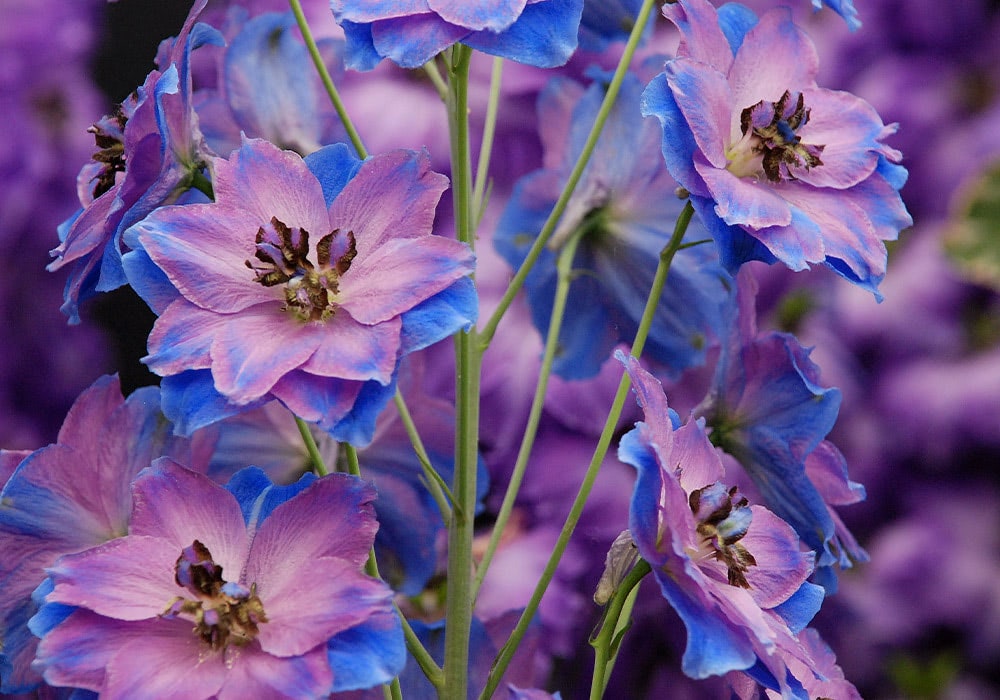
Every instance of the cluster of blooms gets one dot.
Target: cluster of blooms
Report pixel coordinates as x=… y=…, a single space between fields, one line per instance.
x=321 y=498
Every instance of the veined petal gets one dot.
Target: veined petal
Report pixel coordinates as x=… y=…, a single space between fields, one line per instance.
x=181 y=339
x=744 y=201
x=782 y=567
x=371 y=10
x=545 y=35
x=413 y=40
x=313 y=398
x=703 y=97
x=702 y=38
x=356 y=351
x=478 y=14
x=256 y=674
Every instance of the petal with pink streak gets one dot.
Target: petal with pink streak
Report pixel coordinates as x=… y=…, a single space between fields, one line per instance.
x=356 y=351
x=703 y=96
x=394 y=195
x=203 y=249
x=264 y=181
x=702 y=38
x=479 y=14
x=700 y=464
x=181 y=506
x=256 y=347
x=182 y=338
x=256 y=674
x=744 y=201
x=775 y=56
x=782 y=565
x=412 y=41
x=313 y=398
x=130 y=578
x=372 y=10
x=308 y=604
x=341 y=504
x=400 y=274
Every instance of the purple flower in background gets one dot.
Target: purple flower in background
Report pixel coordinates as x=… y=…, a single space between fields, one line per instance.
x=540 y=33
x=149 y=151
x=735 y=573
x=305 y=282
x=73 y=495
x=777 y=168
x=227 y=594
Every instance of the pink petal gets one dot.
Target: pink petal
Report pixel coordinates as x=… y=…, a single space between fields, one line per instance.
x=702 y=39
x=256 y=674
x=782 y=566
x=703 y=96
x=181 y=338
x=847 y=127
x=356 y=351
x=479 y=14
x=313 y=398
x=744 y=202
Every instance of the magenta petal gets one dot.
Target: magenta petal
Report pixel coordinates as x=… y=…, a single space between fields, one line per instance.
x=100 y=399
x=744 y=202
x=252 y=351
x=699 y=460
x=202 y=248
x=308 y=606
x=341 y=504
x=181 y=506
x=701 y=36
x=400 y=274
x=131 y=578
x=257 y=674
x=782 y=567
x=394 y=195
x=775 y=56
x=703 y=96
x=313 y=398
x=356 y=351
x=181 y=338
x=283 y=187
x=847 y=127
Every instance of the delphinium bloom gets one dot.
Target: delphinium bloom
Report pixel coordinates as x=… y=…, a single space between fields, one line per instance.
x=735 y=573
x=254 y=591
x=540 y=33
x=778 y=168
x=768 y=409
x=149 y=152
x=305 y=282
x=70 y=496
x=625 y=209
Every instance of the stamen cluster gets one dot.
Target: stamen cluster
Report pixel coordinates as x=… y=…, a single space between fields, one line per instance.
x=773 y=128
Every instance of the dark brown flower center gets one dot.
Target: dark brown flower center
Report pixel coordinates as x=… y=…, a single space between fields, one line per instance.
x=109 y=135
x=773 y=130
x=723 y=520
x=282 y=257
x=224 y=612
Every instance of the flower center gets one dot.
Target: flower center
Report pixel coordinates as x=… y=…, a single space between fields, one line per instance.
x=109 y=135
x=722 y=523
x=282 y=258
x=224 y=612
x=771 y=142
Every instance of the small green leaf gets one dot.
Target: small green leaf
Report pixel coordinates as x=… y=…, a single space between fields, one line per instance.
x=973 y=237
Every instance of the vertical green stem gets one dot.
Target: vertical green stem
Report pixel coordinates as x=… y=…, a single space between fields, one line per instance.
x=310 y=442
x=603 y=443
x=458 y=611
x=486 y=148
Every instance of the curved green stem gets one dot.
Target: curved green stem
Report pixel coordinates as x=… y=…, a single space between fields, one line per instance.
x=486 y=334
x=324 y=75
x=564 y=267
x=434 y=75
x=310 y=442
x=613 y=628
x=603 y=443
x=435 y=484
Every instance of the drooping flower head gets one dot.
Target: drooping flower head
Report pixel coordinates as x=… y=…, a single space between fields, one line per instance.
x=148 y=152
x=735 y=573
x=536 y=32
x=778 y=168
x=254 y=591
x=305 y=282
x=624 y=209
x=70 y=496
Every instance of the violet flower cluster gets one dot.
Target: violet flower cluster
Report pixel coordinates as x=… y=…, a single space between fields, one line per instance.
x=409 y=262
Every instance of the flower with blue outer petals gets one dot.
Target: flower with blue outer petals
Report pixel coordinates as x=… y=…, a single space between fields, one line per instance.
x=735 y=573
x=150 y=150
x=778 y=168
x=254 y=591
x=304 y=282
x=539 y=33
x=625 y=206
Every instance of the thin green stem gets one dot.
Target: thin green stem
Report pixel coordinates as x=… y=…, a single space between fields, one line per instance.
x=431 y=69
x=324 y=75
x=486 y=334
x=613 y=628
x=564 y=266
x=458 y=607
x=603 y=443
x=435 y=484
x=424 y=660
x=486 y=148
x=310 y=442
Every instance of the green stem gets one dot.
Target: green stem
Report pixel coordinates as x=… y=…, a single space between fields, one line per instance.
x=307 y=437
x=613 y=629
x=486 y=148
x=564 y=267
x=486 y=335
x=435 y=484
x=431 y=69
x=603 y=443
x=458 y=610
x=324 y=75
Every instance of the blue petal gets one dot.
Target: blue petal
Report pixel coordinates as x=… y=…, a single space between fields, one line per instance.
x=358 y=426
x=450 y=311
x=801 y=607
x=736 y=20
x=545 y=35
x=191 y=401
x=258 y=497
x=360 y=54
x=369 y=654
x=334 y=166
